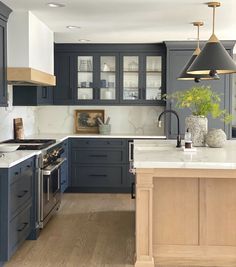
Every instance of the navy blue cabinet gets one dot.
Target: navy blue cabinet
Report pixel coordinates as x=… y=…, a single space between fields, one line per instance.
x=178 y=54
x=114 y=74
x=32 y=95
x=64 y=167
x=4 y=14
x=98 y=165
x=16 y=209
x=65 y=71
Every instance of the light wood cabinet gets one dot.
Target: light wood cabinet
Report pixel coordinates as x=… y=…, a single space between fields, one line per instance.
x=185 y=216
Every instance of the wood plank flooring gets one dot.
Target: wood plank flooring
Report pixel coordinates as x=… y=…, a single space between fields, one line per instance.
x=90 y=230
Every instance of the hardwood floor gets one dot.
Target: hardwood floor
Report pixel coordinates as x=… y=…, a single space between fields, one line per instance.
x=90 y=230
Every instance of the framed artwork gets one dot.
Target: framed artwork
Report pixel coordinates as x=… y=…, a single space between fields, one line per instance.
x=86 y=120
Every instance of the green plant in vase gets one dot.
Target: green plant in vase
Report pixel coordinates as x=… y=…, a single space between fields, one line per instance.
x=202 y=101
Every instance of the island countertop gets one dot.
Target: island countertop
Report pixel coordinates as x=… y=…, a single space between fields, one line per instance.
x=185 y=204
x=164 y=154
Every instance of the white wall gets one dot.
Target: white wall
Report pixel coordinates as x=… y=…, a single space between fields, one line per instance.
x=140 y=120
x=9 y=113
x=30 y=42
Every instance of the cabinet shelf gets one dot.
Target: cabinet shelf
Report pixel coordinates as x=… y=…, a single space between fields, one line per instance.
x=131 y=71
x=85 y=71
x=113 y=72
x=154 y=71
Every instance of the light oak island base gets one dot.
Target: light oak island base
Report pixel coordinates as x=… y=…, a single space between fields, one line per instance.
x=185 y=217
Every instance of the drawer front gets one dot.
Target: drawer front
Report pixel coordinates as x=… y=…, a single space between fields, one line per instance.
x=20 y=192
x=17 y=170
x=97 y=142
x=97 y=176
x=98 y=156
x=20 y=228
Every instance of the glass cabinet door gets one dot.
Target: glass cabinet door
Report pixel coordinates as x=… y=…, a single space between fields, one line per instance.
x=130 y=73
x=85 y=78
x=107 y=85
x=153 y=77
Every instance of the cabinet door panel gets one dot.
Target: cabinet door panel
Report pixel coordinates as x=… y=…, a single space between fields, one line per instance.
x=131 y=78
x=64 y=90
x=3 y=64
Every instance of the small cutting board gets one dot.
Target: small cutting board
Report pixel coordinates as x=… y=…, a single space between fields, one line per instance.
x=18 y=128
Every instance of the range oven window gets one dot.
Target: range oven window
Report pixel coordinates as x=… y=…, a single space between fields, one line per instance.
x=55 y=177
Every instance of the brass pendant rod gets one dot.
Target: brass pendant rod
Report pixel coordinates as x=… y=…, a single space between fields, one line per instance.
x=214 y=15
x=198 y=24
x=198 y=29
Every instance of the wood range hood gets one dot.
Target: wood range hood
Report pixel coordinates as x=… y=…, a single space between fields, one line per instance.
x=29 y=77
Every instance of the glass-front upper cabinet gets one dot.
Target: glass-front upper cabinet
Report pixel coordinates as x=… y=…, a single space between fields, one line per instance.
x=153 y=78
x=130 y=78
x=85 y=79
x=108 y=78
x=141 y=78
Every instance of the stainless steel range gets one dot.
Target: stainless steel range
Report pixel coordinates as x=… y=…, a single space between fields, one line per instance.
x=48 y=184
x=49 y=198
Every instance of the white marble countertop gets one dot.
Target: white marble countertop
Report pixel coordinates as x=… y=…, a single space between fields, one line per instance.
x=112 y=135
x=10 y=159
x=164 y=154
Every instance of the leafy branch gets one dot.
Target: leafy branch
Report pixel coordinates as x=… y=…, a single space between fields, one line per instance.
x=202 y=101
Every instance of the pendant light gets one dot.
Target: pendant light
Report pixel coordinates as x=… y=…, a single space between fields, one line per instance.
x=214 y=59
x=195 y=77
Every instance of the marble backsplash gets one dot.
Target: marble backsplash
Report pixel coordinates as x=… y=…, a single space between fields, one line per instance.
x=124 y=119
x=60 y=119
x=9 y=113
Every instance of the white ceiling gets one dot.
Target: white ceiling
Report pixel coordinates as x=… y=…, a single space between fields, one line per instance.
x=138 y=21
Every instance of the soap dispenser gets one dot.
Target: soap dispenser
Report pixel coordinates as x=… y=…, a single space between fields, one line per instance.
x=188 y=139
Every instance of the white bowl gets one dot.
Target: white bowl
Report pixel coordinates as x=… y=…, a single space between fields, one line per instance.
x=8 y=147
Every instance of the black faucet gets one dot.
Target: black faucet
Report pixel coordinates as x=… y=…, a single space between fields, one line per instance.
x=177 y=116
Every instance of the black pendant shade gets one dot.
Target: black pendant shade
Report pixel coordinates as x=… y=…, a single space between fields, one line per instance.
x=213 y=59
x=197 y=78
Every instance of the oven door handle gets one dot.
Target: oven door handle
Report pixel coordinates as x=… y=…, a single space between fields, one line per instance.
x=54 y=167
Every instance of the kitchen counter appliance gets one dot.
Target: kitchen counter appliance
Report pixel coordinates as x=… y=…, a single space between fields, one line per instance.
x=49 y=193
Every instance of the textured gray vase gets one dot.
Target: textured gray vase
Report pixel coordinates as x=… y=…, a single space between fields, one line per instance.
x=216 y=138
x=198 y=126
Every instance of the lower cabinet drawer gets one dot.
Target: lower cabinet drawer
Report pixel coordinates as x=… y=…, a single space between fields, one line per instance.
x=20 y=192
x=97 y=142
x=20 y=228
x=97 y=176
x=98 y=156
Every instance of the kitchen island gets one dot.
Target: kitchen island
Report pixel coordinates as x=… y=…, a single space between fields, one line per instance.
x=185 y=205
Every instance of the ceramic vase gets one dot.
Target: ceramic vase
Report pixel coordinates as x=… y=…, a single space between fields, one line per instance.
x=198 y=126
x=216 y=138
